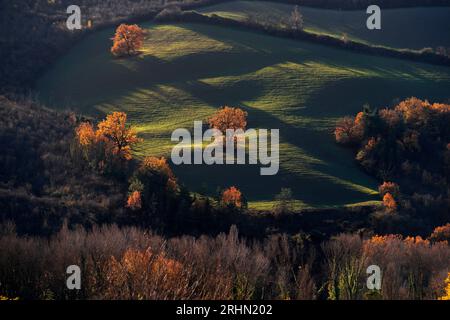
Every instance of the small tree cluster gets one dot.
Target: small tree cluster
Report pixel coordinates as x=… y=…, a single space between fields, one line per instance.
x=350 y=131
x=153 y=189
x=113 y=141
x=407 y=144
x=412 y=268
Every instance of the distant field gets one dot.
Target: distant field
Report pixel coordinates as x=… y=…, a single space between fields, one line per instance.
x=413 y=28
x=189 y=70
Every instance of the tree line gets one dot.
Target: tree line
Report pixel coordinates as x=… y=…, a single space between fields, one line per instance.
x=129 y=263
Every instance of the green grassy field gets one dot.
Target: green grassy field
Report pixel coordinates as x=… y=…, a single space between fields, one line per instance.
x=413 y=28
x=187 y=71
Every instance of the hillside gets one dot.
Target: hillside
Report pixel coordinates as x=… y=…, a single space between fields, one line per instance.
x=41 y=183
x=413 y=28
x=187 y=71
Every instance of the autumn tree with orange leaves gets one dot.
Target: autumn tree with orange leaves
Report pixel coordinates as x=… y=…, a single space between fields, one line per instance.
x=127 y=40
x=350 y=131
x=123 y=137
x=389 y=202
x=389 y=187
x=134 y=200
x=153 y=186
x=85 y=133
x=228 y=118
x=390 y=192
x=159 y=169
x=232 y=197
x=142 y=274
x=105 y=148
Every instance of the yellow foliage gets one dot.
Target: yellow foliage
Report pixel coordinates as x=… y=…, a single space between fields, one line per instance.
x=85 y=134
x=446 y=295
x=115 y=129
x=5 y=298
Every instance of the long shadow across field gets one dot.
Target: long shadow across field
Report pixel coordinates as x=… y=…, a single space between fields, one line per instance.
x=91 y=78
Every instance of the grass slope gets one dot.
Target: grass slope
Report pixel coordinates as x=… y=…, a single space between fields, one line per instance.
x=413 y=28
x=189 y=70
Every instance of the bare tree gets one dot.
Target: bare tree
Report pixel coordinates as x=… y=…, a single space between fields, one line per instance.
x=296 y=20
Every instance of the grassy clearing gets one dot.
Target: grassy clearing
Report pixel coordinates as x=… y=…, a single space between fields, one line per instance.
x=189 y=70
x=413 y=28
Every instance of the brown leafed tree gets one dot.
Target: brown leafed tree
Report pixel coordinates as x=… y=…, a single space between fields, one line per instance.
x=127 y=40
x=228 y=118
x=350 y=131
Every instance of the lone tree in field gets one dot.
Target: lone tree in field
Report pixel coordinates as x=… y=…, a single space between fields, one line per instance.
x=296 y=19
x=127 y=40
x=228 y=118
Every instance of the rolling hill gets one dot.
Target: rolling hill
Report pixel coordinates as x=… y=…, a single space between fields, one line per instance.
x=412 y=28
x=186 y=71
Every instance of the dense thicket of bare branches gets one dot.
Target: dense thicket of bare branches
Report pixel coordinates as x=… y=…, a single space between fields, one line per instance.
x=130 y=263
